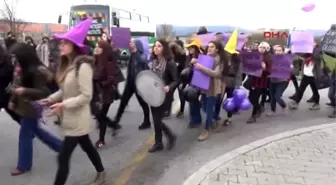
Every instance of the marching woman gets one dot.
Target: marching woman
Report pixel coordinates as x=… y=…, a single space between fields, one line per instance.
x=259 y=83
x=215 y=50
x=165 y=67
x=105 y=87
x=31 y=78
x=180 y=59
x=72 y=101
x=232 y=80
x=311 y=74
x=277 y=87
x=194 y=50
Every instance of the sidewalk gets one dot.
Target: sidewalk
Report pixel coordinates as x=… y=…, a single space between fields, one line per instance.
x=305 y=156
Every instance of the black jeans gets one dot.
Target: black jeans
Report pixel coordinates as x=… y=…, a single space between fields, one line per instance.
x=103 y=121
x=305 y=81
x=69 y=145
x=159 y=125
x=295 y=83
x=129 y=90
x=276 y=91
x=254 y=96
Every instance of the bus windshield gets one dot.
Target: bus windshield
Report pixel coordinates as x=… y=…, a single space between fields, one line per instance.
x=101 y=19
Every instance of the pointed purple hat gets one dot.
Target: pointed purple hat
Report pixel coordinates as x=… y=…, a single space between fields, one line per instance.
x=77 y=34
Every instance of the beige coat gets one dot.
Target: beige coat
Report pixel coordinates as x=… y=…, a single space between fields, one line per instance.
x=76 y=93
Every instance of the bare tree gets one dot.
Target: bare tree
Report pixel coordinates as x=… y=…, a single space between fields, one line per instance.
x=165 y=31
x=9 y=17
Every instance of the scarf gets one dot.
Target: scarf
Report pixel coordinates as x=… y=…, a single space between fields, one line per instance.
x=159 y=66
x=308 y=60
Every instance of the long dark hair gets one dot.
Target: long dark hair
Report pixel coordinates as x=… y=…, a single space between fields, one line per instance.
x=193 y=55
x=166 y=52
x=223 y=57
x=28 y=60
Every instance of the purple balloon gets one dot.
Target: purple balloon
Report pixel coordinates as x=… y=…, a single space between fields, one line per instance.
x=245 y=104
x=239 y=95
x=229 y=104
x=308 y=7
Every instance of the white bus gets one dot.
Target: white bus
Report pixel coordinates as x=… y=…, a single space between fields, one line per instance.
x=106 y=16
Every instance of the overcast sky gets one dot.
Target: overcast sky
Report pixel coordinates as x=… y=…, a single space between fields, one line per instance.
x=243 y=13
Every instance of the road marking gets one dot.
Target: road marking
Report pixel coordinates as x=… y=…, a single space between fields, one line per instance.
x=139 y=157
x=141 y=154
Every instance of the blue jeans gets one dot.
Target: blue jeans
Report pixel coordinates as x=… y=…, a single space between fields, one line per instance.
x=209 y=103
x=195 y=113
x=332 y=90
x=276 y=91
x=28 y=128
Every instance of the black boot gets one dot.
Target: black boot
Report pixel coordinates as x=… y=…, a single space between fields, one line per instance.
x=144 y=125
x=171 y=141
x=158 y=146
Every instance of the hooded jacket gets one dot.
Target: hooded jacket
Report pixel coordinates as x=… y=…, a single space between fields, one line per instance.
x=138 y=61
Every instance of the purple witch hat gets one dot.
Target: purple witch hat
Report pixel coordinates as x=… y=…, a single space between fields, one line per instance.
x=77 y=34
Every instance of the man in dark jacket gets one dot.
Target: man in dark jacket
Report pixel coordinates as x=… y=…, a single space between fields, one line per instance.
x=6 y=77
x=10 y=40
x=137 y=63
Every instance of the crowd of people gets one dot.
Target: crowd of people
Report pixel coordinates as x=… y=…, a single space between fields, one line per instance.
x=76 y=84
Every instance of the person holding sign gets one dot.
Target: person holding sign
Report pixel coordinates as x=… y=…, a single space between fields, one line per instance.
x=215 y=50
x=279 y=82
x=258 y=83
x=311 y=72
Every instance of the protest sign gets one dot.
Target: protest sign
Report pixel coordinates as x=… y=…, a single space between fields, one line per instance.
x=199 y=79
x=328 y=43
x=240 y=43
x=206 y=38
x=302 y=42
x=121 y=37
x=252 y=63
x=281 y=66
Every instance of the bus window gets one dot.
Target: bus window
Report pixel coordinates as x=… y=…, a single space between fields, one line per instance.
x=124 y=14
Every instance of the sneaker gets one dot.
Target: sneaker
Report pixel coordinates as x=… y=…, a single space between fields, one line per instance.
x=179 y=115
x=144 y=125
x=203 y=136
x=315 y=106
x=333 y=114
x=156 y=147
x=270 y=114
x=293 y=105
x=331 y=104
x=227 y=122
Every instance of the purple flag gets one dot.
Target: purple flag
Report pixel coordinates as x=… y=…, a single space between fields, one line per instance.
x=252 y=63
x=302 y=42
x=281 y=66
x=199 y=79
x=240 y=43
x=206 y=38
x=121 y=37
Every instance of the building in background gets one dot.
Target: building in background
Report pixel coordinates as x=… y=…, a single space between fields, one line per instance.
x=35 y=30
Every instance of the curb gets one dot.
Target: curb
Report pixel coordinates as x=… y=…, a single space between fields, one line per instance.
x=197 y=177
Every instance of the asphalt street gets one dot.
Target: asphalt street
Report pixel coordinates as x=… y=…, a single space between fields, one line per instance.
x=125 y=157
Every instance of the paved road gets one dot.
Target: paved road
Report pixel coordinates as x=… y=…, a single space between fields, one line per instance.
x=124 y=156
x=306 y=159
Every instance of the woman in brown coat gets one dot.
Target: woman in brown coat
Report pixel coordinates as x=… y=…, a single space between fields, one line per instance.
x=105 y=86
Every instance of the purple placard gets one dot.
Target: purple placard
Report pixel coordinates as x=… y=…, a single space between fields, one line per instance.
x=302 y=42
x=206 y=38
x=121 y=37
x=240 y=43
x=199 y=79
x=281 y=66
x=252 y=63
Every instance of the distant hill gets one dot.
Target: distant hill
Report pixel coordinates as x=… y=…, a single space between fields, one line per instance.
x=188 y=30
